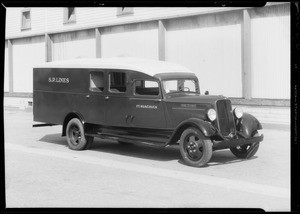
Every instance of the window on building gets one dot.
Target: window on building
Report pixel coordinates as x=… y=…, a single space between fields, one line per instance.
x=69 y=15
x=145 y=87
x=117 y=82
x=124 y=11
x=26 y=19
x=97 y=81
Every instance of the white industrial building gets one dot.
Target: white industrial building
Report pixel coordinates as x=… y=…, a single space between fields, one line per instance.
x=242 y=53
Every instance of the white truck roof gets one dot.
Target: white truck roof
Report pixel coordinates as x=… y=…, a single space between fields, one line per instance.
x=147 y=66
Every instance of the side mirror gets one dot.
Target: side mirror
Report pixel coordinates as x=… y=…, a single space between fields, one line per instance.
x=206 y=93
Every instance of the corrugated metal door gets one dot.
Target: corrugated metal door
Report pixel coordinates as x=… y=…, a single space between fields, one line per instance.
x=6 y=74
x=270 y=43
x=79 y=44
x=210 y=46
x=137 y=40
x=27 y=53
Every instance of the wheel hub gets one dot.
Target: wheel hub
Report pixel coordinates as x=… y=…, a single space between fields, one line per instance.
x=76 y=135
x=192 y=147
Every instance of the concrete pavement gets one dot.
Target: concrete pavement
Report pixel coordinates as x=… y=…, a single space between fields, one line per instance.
x=42 y=172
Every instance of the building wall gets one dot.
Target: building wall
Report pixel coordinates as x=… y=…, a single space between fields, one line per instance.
x=135 y=40
x=13 y=21
x=6 y=73
x=51 y=19
x=27 y=53
x=210 y=46
x=78 y=44
x=270 y=34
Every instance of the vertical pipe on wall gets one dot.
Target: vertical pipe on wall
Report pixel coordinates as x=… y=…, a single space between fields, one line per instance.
x=48 y=48
x=246 y=55
x=161 y=41
x=10 y=66
x=98 y=42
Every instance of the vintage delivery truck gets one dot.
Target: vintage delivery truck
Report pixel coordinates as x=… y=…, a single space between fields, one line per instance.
x=136 y=100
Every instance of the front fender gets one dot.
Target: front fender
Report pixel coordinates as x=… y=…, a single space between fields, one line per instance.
x=206 y=129
x=247 y=125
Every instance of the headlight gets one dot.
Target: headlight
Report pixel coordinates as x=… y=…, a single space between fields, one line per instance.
x=260 y=132
x=238 y=112
x=212 y=115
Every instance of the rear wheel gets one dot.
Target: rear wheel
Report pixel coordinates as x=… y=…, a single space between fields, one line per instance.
x=75 y=136
x=246 y=151
x=194 y=150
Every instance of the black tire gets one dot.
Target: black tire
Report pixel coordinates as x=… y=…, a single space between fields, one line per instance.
x=75 y=136
x=194 y=150
x=246 y=151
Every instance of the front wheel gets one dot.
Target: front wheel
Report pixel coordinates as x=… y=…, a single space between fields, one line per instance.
x=246 y=151
x=75 y=136
x=194 y=150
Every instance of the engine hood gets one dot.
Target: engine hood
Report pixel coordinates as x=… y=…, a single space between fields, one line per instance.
x=182 y=106
x=194 y=98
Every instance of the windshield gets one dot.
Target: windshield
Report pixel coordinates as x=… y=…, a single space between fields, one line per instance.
x=180 y=85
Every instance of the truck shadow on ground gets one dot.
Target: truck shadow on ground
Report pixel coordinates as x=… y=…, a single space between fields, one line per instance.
x=222 y=157
x=144 y=151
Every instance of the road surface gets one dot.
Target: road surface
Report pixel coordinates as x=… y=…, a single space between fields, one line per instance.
x=40 y=171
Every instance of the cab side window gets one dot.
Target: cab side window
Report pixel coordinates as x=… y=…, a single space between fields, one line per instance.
x=146 y=87
x=117 y=82
x=96 y=81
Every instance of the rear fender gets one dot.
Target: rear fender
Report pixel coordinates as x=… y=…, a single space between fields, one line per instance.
x=69 y=117
x=247 y=125
x=206 y=129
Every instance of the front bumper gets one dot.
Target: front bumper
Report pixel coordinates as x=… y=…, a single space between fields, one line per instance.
x=225 y=144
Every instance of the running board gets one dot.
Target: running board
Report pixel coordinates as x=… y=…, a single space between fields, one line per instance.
x=136 y=140
x=43 y=124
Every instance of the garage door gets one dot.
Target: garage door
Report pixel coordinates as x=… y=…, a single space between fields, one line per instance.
x=210 y=46
x=27 y=53
x=270 y=45
x=136 y=40
x=79 y=44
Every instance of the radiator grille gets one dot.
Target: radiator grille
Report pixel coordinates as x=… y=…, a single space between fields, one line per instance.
x=225 y=117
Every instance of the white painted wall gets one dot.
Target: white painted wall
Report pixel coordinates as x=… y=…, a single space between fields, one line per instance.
x=6 y=77
x=51 y=19
x=73 y=45
x=138 y=40
x=27 y=53
x=271 y=54
x=210 y=46
x=13 y=21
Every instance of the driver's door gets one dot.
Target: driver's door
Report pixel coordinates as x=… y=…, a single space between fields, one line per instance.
x=147 y=110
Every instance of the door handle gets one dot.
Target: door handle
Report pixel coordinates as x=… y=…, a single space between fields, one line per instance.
x=131 y=118
x=157 y=100
x=87 y=96
x=106 y=98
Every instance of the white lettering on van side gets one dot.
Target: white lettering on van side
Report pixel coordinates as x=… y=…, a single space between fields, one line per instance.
x=58 y=79
x=146 y=106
